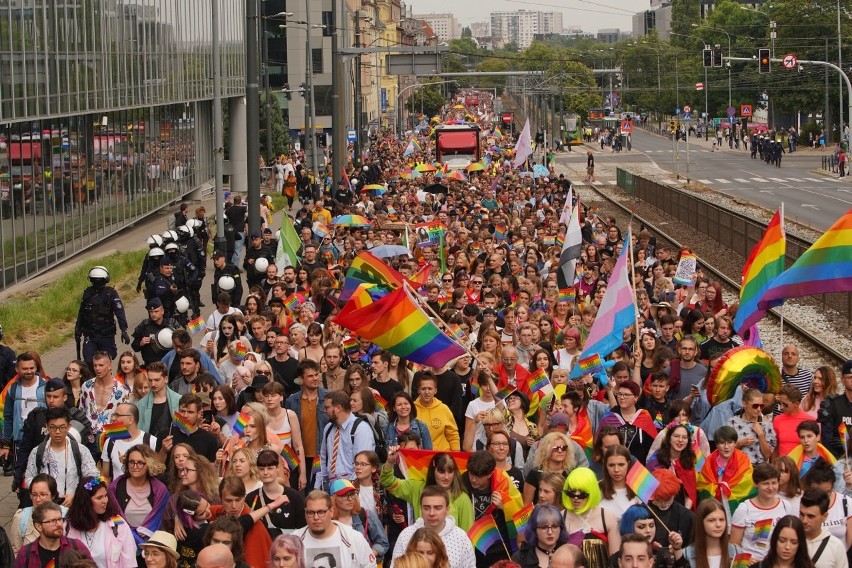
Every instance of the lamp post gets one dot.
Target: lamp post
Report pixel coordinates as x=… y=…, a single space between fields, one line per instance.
x=402 y=92
x=264 y=54
x=252 y=117
x=219 y=242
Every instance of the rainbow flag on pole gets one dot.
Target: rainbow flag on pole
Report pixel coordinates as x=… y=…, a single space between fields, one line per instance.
x=241 y=423
x=240 y=351
x=741 y=560
x=640 y=480
x=397 y=324
x=500 y=232
x=366 y=268
x=351 y=346
x=290 y=456
x=591 y=364
x=182 y=422
x=504 y=392
x=567 y=295
x=539 y=382
x=764 y=264
x=293 y=301
x=195 y=325
x=521 y=519
x=484 y=534
x=843 y=430
x=822 y=269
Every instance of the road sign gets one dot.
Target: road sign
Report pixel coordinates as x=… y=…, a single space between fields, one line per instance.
x=731 y=111
x=789 y=61
x=686 y=117
x=508 y=118
x=699 y=86
x=351 y=136
x=732 y=119
x=677 y=111
x=745 y=110
x=687 y=108
x=627 y=126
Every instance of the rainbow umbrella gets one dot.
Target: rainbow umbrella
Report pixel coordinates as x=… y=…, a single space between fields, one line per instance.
x=409 y=175
x=424 y=168
x=351 y=221
x=457 y=175
x=475 y=167
x=374 y=189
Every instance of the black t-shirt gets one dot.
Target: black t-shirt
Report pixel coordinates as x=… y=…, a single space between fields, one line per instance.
x=189 y=547
x=285 y=373
x=204 y=443
x=289 y=517
x=46 y=556
x=161 y=420
x=387 y=389
x=236 y=215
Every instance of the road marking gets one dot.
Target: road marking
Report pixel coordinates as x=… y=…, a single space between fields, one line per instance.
x=759 y=180
x=578 y=183
x=723 y=181
x=815 y=180
x=741 y=180
x=797 y=180
x=778 y=180
x=808 y=205
x=597 y=183
x=612 y=182
x=705 y=181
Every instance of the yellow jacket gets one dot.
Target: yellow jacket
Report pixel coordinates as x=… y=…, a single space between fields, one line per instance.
x=442 y=425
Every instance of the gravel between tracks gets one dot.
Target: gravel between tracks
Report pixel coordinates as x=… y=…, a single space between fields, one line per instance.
x=827 y=325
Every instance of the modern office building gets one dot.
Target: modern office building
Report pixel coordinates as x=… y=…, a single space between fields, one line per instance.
x=105 y=116
x=445 y=26
x=521 y=26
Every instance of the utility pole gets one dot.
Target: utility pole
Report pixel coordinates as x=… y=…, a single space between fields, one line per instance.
x=264 y=54
x=840 y=79
x=339 y=145
x=218 y=143
x=358 y=95
x=252 y=117
x=310 y=127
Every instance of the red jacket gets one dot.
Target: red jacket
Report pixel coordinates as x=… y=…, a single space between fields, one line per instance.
x=256 y=542
x=521 y=378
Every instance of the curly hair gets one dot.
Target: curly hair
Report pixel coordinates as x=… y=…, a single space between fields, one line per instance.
x=81 y=515
x=545 y=448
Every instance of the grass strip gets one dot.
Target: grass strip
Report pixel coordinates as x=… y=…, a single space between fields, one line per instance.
x=44 y=319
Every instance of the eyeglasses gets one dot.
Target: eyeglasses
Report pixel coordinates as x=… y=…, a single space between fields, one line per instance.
x=623 y=394
x=184 y=470
x=362 y=464
x=151 y=552
x=476 y=281
x=549 y=528
x=576 y=494
x=55 y=521
x=446 y=279
x=491 y=424
x=136 y=464
x=320 y=513
x=558 y=448
x=62 y=428
x=350 y=495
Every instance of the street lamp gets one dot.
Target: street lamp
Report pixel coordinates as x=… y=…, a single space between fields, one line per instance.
x=402 y=92
x=264 y=48
x=729 y=55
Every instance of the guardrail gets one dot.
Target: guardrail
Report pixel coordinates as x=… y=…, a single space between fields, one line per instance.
x=731 y=230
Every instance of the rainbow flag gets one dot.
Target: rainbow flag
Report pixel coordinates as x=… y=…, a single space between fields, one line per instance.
x=321 y=230
x=422 y=276
x=591 y=364
x=741 y=560
x=290 y=456
x=539 y=382
x=367 y=268
x=195 y=325
x=351 y=346
x=559 y=241
x=521 y=519
x=455 y=330
x=381 y=403
x=293 y=301
x=240 y=351
x=700 y=458
x=397 y=324
x=116 y=431
x=518 y=244
x=617 y=311
x=415 y=463
x=764 y=265
x=50 y=563
x=843 y=431
x=504 y=392
x=822 y=269
x=316 y=467
x=500 y=232
x=762 y=532
x=498 y=132
x=182 y=422
x=549 y=241
x=484 y=534
x=640 y=480
x=362 y=297
x=567 y=295
x=240 y=423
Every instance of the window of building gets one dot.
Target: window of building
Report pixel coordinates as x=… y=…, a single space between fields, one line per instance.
x=316 y=60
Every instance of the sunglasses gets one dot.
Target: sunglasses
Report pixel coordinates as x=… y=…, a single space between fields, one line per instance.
x=576 y=494
x=757 y=406
x=559 y=448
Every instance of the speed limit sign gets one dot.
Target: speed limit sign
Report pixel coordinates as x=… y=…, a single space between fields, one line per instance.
x=789 y=61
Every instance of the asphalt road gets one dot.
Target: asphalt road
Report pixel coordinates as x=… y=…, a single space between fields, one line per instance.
x=811 y=196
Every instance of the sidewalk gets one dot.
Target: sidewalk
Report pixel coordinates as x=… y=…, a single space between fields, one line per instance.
x=55 y=361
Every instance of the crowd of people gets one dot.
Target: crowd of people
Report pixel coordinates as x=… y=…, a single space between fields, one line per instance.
x=285 y=449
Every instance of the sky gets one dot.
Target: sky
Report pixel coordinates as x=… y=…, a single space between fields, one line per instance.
x=589 y=15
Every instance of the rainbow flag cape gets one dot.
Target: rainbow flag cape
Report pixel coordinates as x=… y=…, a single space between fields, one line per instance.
x=764 y=264
x=397 y=324
x=415 y=463
x=351 y=346
x=293 y=301
x=538 y=381
x=290 y=456
x=741 y=560
x=797 y=454
x=240 y=423
x=182 y=423
x=762 y=531
x=484 y=534
x=366 y=268
x=240 y=351
x=195 y=325
x=734 y=485
x=567 y=295
x=640 y=480
x=822 y=269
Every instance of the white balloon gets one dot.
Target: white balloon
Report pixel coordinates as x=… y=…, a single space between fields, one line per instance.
x=261 y=264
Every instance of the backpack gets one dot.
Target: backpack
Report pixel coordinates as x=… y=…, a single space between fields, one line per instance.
x=75 y=452
x=146 y=440
x=378 y=439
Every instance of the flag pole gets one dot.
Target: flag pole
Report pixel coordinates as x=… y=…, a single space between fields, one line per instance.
x=629 y=243
x=412 y=292
x=781 y=309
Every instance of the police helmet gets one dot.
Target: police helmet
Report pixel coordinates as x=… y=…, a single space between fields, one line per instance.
x=170 y=247
x=182 y=304
x=226 y=283
x=156 y=252
x=195 y=223
x=99 y=273
x=184 y=231
x=155 y=241
x=261 y=264
x=170 y=236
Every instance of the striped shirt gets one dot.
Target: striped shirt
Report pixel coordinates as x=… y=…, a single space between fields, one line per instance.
x=802 y=380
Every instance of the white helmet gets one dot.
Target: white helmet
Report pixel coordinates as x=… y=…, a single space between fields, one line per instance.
x=195 y=223
x=170 y=247
x=155 y=241
x=164 y=338
x=185 y=230
x=182 y=304
x=170 y=236
x=261 y=264
x=99 y=273
x=226 y=283
x=156 y=252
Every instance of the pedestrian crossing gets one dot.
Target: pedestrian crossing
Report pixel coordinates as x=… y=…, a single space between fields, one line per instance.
x=771 y=180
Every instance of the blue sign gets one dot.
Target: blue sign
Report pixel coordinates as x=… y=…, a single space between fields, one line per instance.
x=687 y=117
x=677 y=110
x=384 y=99
x=352 y=136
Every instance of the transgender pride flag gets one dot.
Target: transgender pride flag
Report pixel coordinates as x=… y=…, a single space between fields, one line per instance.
x=617 y=311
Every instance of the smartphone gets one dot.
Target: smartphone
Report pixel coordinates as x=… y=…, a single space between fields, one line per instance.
x=207 y=416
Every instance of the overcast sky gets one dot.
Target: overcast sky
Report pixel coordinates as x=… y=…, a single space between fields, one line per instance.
x=590 y=15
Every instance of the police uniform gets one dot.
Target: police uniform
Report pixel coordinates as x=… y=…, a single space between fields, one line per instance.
x=100 y=307
x=147 y=328
x=234 y=272
x=253 y=277
x=190 y=248
x=165 y=289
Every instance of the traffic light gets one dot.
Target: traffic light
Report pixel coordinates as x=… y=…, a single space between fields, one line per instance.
x=708 y=58
x=672 y=126
x=763 y=60
x=717 y=56
x=287 y=92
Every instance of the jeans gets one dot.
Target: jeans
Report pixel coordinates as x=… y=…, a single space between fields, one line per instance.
x=239 y=245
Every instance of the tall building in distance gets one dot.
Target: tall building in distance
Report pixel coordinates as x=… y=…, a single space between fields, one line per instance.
x=522 y=26
x=445 y=26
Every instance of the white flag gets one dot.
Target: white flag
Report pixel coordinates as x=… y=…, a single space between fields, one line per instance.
x=523 y=149
x=571 y=249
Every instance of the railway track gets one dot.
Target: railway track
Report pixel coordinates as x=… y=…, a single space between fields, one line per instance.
x=806 y=340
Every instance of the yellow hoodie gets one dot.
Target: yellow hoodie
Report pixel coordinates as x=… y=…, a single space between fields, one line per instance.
x=442 y=426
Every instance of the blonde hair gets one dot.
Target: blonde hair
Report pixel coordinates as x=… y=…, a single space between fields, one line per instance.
x=545 y=447
x=412 y=560
x=252 y=462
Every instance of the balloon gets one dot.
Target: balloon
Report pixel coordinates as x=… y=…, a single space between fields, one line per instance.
x=742 y=365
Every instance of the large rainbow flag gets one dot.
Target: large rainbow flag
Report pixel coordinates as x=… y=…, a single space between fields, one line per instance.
x=764 y=264
x=824 y=268
x=366 y=268
x=733 y=486
x=415 y=463
x=397 y=324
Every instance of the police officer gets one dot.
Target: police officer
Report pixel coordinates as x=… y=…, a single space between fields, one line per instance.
x=255 y=251
x=185 y=274
x=223 y=268
x=190 y=247
x=145 y=335
x=164 y=287
x=151 y=261
x=99 y=309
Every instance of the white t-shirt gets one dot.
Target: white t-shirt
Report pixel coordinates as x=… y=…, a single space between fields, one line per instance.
x=474 y=407
x=837 y=516
x=114 y=452
x=749 y=513
x=29 y=400
x=333 y=552
x=833 y=554
x=619 y=503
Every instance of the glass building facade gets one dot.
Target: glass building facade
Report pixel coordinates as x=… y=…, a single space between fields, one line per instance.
x=105 y=117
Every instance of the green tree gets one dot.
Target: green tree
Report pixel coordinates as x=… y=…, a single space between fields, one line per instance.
x=280 y=136
x=466 y=32
x=427 y=100
x=684 y=14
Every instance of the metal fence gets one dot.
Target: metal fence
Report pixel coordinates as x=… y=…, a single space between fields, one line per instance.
x=731 y=230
